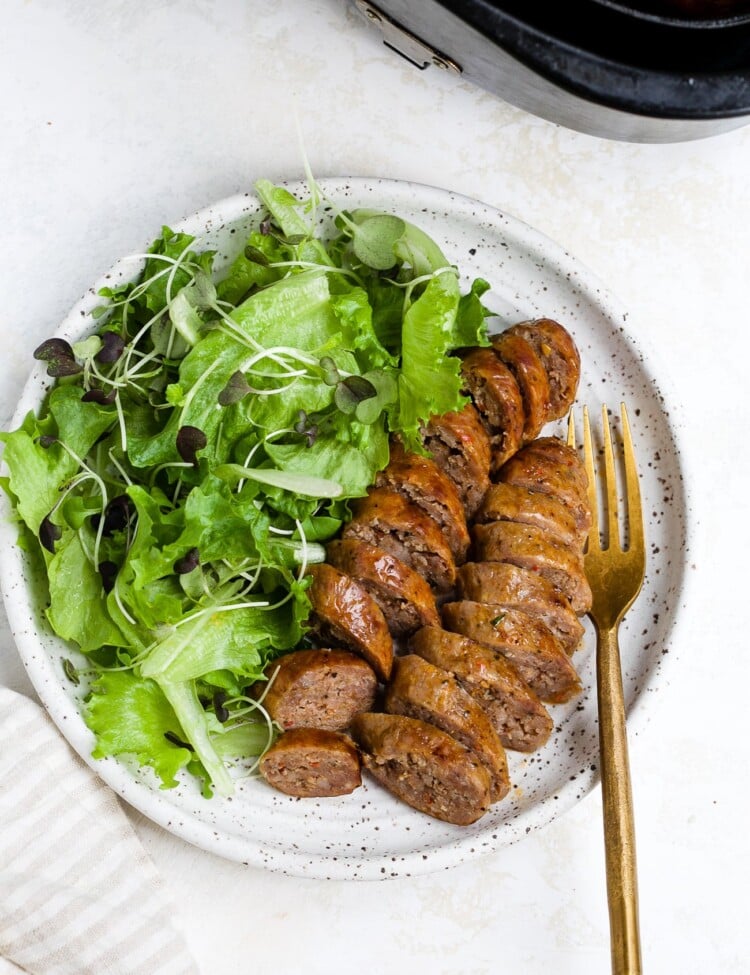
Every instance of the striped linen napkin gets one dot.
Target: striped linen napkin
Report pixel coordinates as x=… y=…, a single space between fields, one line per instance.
x=78 y=893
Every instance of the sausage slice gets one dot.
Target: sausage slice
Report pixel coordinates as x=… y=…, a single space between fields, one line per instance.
x=386 y=519
x=509 y=585
x=511 y=502
x=403 y=595
x=343 y=612
x=309 y=762
x=424 y=766
x=521 y=720
x=317 y=689
x=421 y=690
x=460 y=446
x=534 y=549
x=421 y=481
x=548 y=465
x=555 y=347
x=497 y=398
x=526 y=644
x=529 y=372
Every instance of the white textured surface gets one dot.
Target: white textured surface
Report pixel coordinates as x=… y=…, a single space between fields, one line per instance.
x=117 y=117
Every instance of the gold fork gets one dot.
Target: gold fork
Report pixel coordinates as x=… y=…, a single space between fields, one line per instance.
x=615 y=574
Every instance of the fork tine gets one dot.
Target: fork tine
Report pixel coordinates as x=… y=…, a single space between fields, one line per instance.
x=588 y=459
x=633 y=489
x=571 y=430
x=610 y=484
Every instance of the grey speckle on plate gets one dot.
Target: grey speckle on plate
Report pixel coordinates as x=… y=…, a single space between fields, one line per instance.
x=370 y=835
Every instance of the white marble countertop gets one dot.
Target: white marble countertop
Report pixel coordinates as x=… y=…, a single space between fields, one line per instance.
x=118 y=117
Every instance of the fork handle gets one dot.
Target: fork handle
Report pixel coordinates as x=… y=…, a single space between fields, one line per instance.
x=619 y=831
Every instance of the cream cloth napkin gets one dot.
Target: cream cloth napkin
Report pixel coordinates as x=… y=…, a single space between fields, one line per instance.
x=78 y=893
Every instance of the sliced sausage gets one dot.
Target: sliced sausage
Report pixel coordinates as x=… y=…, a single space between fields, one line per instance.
x=526 y=644
x=421 y=690
x=555 y=347
x=309 y=762
x=420 y=481
x=460 y=446
x=509 y=585
x=497 y=398
x=345 y=613
x=403 y=595
x=424 y=766
x=519 y=717
x=386 y=519
x=548 y=465
x=533 y=549
x=510 y=502
x=529 y=372
x=317 y=689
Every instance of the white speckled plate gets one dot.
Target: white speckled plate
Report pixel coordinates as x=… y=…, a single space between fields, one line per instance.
x=370 y=835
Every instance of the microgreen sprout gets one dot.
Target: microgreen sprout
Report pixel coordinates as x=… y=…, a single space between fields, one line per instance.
x=70 y=671
x=189 y=561
x=176 y=740
x=227 y=416
x=59 y=357
x=189 y=441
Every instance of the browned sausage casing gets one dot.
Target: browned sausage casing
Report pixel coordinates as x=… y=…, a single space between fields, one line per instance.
x=317 y=689
x=403 y=595
x=519 y=717
x=424 y=766
x=534 y=549
x=528 y=371
x=526 y=644
x=548 y=465
x=420 y=481
x=347 y=614
x=498 y=400
x=421 y=690
x=510 y=502
x=555 y=347
x=310 y=762
x=459 y=444
x=509 y=585
x=386 y=519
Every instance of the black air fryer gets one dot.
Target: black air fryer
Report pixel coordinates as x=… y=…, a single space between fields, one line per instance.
x=644 y=71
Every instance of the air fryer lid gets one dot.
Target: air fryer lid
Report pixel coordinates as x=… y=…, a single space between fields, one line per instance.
x=658 y=68
x=685 y=13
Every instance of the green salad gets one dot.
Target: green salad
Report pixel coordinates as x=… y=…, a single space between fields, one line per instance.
x=199 y=447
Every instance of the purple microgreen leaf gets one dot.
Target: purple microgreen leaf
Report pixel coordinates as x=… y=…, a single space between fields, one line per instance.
x=108 y=572
x=70 y=671
x=175 y=740
x=189 y=561
x=49 y=533
x=117 y=514
x=236 y=389
x=256 y=255
x=112 y=347
x=99 y=396
x=306 y=428
x=189 y=441
x=222 y=714
x=58 y=354
x=352 y=391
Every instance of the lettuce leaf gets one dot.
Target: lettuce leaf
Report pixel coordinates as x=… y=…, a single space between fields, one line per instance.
x=131 y=716
x=176 y=516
